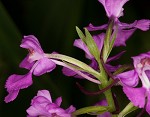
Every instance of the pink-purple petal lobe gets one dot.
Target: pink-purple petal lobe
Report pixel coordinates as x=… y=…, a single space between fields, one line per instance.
x=26 y=64
x=129 y=78
x=136 y=95
x=113 y=8
x=91 y=27
x=117 y=56
x=45 y=93
x=11 y=96
x=39 y=100
x=123 y=36
x=58 y=101
x=80 y=44
x=36 y=111
x=68 y=72
x=98 y=39
x=43 y=66
x=143 y=25
x=70 y=109
x=148 y=103
x=30 y=42
x=15 y=83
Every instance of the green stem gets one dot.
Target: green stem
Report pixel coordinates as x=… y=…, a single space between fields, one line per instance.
x=108 y=93
x=110 y=100
x=129 y=108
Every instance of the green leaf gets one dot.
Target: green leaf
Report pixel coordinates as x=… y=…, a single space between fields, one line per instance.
x=112 y=42
x=90 y=109
x=107 y=40
x=81 y=35
x=92 y=45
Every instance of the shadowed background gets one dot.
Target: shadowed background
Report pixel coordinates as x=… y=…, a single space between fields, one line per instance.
x=53 y=23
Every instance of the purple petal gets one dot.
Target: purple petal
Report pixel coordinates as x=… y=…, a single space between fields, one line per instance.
x=96 y=28
x=37 y=110
x=129 y=78
x=123 y=25
x=15 y=83
x=46 y=94
x=147 y=72
x=123 y=36
x=31 y=42
x=59 y=112
x=111 y=68
x=58 y=101
x=11 y=96
x=115 y=57
x=70 y=109
x=135 y=95
x=40 y=100
x=43 y=65
x=113 y=8
x=143 y=25
x=94 y=64
x=148 y=103
x=99 y=40
x=80 y=44
x=40 y=104
x=137 y=59
x=26 y=64
x=102 y=103
x=68 y=72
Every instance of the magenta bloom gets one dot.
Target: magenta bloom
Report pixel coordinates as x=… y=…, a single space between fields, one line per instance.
x=139 y=96
x=35 y=62
x=42 y=106
x=99 y=40
x=113 y=8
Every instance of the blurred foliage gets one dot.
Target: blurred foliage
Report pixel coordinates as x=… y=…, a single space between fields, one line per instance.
x=53 y=23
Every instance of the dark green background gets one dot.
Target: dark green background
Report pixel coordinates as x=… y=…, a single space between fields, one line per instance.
x=53 y=23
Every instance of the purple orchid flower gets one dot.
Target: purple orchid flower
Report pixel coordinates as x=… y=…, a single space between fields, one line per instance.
x=99 y=40
x=42 y=106
x=139 y=96
x=35 y=62
x=114 y=10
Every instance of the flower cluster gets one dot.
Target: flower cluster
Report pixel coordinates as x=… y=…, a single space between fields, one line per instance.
x=42 y=105
x=100 y=71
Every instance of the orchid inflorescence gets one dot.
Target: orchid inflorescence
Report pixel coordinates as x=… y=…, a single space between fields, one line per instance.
x=97 y=49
